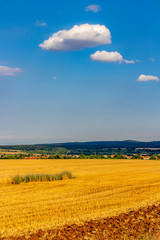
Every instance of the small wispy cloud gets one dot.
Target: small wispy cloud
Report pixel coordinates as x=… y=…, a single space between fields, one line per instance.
x=137 y=60
x=41 y=23
x=151 y=59
x=109 y=57
x=128 y=61
x=93 y=8
x=146 y=78
x=54 y=78
x=8 y=71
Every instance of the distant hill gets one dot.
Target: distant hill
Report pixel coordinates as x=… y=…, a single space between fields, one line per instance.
x=96 y=147
x=108 y=144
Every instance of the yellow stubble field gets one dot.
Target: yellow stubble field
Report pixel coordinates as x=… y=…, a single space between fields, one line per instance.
x=101 y=188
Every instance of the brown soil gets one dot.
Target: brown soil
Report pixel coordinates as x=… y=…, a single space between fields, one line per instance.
x=141 y=224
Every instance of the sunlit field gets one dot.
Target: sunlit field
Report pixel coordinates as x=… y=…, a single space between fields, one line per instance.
x=10 y=152
x=100 y=188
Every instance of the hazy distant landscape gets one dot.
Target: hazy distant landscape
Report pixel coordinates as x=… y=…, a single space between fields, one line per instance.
x=127 y=147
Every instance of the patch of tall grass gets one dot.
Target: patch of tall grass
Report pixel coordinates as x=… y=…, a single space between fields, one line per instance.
x=41 y=177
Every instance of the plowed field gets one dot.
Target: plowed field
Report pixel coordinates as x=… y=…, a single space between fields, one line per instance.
x=141 y=224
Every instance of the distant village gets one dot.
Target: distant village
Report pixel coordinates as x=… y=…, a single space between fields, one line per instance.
x=81 y=156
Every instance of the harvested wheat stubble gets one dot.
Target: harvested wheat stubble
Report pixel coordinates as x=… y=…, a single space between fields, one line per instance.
x=102 y=188
x=141 y=224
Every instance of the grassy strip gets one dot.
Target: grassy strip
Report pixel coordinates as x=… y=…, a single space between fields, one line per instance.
x=40 y=177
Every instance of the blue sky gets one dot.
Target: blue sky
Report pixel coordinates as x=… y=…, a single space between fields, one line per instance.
x=62 y=93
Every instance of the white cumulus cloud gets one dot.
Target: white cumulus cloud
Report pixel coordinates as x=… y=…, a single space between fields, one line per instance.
x=8 y=71
x=93 y=8
x=78 y=37
x=104 y=56
x=146 y=78
x=40 y=23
